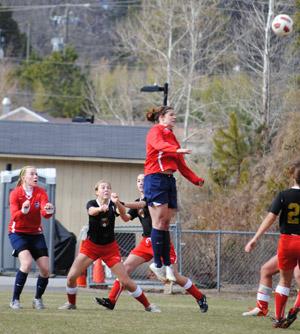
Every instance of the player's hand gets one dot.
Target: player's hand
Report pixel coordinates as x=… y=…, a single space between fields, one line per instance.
x=184 y=151
x=25 y=207
x=49 y=208
x=103 y=208
x=114 y=197
x=201 y=182
x=250 y=245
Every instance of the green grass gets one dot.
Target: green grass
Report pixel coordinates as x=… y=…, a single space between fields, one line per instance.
x=180 y=315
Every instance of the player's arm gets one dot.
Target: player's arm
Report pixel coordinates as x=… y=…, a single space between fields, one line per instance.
x=135 y=205
x=47 y=208
x=121 y=209
x=95 y=210
x=16 y=211
x=265 y=225
x=187 y=172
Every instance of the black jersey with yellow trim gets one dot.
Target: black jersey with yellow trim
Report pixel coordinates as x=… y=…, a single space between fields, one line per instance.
x=144 y=217
x=287 y=203
x=102 y=226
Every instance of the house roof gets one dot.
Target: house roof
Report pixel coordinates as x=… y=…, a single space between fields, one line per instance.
x=23 y=114
x=82 y=140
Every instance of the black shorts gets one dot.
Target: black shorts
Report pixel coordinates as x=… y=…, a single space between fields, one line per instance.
x=34 y=243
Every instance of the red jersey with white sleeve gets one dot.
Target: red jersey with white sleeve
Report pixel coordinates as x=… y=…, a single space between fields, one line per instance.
x=161 y=154
x=31 y=222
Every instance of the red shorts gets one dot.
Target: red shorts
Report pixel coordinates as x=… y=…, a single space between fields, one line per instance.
x=109 y=254
x=288 y=251
x=144 y=250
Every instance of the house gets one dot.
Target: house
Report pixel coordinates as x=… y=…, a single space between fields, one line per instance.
x=82 y=154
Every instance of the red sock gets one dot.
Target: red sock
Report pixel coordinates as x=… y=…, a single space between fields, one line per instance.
x=280 y=302
x=195 y=292
x=297 y=301
x=71 y=298
x=115 y=291
x=261 y=304
x=143 y=300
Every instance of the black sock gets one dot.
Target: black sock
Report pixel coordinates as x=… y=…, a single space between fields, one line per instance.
x=166 y=248
x=41 y=285
x=19 y=284
x=157 y=240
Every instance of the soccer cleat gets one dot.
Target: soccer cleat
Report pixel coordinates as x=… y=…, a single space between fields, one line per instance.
x=203 y=304
x=68 y=306
x=291 y=317
x=153 y=308
x=38 y=304
x=15 y=304
x=159 y=272
x=256 y=312
x=278 y=323
x=170 y=274
x=105 y=302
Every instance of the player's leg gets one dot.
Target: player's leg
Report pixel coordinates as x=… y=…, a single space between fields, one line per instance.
x=281 y=295
x=267 y=271
x=130 y=264
x=160 y=226
x=79 y=265
x=166 y=250
x=188 y=285
x=134 y=290
x=25 y=260
x=42 y=281
x=292 y=314
x=39 y=252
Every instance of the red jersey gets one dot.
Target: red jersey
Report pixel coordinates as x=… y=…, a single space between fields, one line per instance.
x=161 y=147
x=31 y=222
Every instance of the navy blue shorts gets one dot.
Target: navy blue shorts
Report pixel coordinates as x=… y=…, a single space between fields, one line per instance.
x=35 y=243
x=160 y=189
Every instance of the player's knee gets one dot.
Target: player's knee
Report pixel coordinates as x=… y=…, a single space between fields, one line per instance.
x=26 y=265
x=125 y=281
x=128 y=268
x=265 y=271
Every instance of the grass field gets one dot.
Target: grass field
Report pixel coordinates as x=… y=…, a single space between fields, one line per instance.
x=180 y=315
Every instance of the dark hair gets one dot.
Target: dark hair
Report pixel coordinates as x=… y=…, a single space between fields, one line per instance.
x=294 y=171
x=153 y=114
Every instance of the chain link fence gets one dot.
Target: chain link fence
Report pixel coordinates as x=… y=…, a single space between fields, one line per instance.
x=212 y=259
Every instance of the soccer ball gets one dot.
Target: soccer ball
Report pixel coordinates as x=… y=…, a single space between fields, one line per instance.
x=282 y=25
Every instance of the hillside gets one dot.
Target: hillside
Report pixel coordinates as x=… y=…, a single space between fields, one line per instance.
x=244 y=208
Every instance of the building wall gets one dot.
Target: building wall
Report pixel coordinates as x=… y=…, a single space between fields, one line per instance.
x=75 y=184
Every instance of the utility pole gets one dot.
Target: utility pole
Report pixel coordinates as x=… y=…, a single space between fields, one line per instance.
x=266 y=73
x=28 y=40
x=66 y=26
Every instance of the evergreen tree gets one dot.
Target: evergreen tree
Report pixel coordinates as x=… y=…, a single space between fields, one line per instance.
x=57 y=83
x=229 y=154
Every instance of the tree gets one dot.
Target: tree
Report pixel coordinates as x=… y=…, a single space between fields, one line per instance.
x=229 y=154
x=266 y=60
x=57 y=84
x=182 y=40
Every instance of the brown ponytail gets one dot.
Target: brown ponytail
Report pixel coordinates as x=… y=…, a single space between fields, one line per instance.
x=294 y=171
x=153 y=114
x=22 y=173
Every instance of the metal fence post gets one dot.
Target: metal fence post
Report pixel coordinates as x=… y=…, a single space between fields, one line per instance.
x=219 y=261
x=178 y=242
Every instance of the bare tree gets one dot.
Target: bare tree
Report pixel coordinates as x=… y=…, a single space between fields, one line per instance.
x=181 y=40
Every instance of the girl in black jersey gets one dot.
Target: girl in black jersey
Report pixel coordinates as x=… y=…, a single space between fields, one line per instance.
x=101 y=243
x=143 y=252
x=287 y=204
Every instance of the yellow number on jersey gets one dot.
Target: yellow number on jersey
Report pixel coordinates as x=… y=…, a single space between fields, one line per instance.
x=293 y=214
